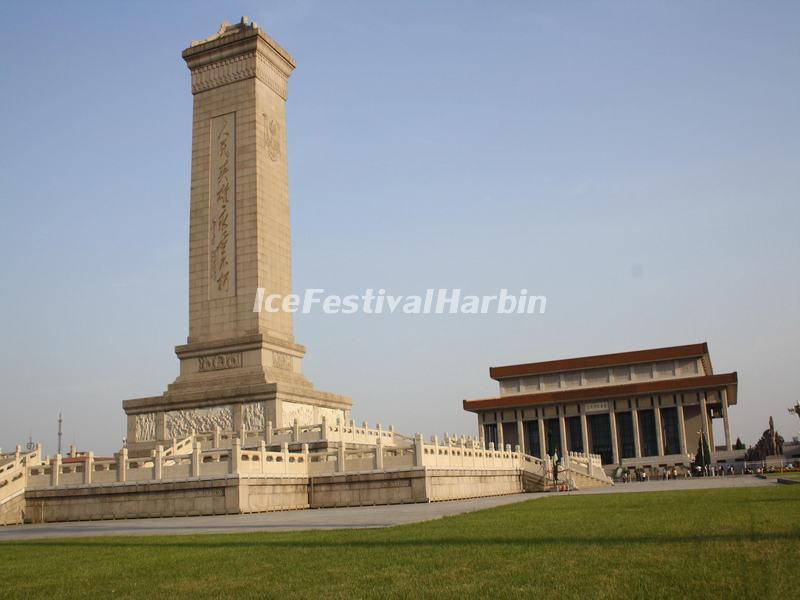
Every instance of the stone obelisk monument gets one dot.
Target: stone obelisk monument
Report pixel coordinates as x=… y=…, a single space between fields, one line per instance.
x=239 y=368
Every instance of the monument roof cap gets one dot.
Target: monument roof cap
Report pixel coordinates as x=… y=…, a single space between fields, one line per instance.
x=229 y=34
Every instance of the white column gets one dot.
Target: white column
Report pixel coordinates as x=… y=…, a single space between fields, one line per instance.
x=501 y=443
x=637 y=443
x=419 y=450
x=122 y=465
x=158 y=462
x=562 y=426
x=704 y=421
x=88 y=468
x=659 y=429
x=542 y=440
x=681 y=426
x=341 y=458
x=521 y=434
x=55 y=471
x=236 y=455
x=378 y=454
x=197 y=457
x=728 y=443
x=585 y=434
x=613 y=421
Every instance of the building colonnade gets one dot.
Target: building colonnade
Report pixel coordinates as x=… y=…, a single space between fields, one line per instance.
x=631 y=433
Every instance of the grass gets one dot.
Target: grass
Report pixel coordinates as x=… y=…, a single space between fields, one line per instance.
x=729 y=543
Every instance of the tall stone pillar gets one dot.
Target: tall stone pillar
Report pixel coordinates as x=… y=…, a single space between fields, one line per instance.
x=614 y=438
x=681 y=423
x=585 y=433
x=724 y=398
x=240 y=358
x=542 y=440
x=501 y=443
x=562 y=429
x=521 y=434
x=704 y=421
x=637 y=442
x=659 y=427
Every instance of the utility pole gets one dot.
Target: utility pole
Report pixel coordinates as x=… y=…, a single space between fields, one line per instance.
x=60 y=420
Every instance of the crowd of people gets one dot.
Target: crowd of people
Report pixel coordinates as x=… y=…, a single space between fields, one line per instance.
x=668 y=473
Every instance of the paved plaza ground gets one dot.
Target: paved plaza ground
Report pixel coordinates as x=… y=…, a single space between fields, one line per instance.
x=337 y=518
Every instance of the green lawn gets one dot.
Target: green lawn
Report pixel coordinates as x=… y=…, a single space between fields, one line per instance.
x=735 y=543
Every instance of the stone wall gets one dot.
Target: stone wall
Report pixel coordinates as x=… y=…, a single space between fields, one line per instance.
x=229 y=495
x=367 y=489
x=447 y=484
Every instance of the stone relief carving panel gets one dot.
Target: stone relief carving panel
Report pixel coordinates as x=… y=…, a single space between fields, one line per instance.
x=304 y=413
x=331 y=414
x=217 y=362
x=145 y=427
x=181 y=423
x=253 y=416
x=281 y=361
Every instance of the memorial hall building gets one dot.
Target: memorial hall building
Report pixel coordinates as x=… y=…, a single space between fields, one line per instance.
x=644 y=408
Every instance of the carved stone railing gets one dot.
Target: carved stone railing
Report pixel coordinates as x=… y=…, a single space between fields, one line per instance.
x=13 y=472
x=169 y=467
x=298 y=434
x=186 y=459
x=587 y=465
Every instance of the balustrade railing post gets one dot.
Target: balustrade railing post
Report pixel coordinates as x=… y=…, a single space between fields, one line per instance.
x=285 y=452
x=122 y=465
x=419 y=450
x=268 y=433
x=216 y=440
x=55 y=471
x=197 y=459
x=158 y=462
x=341 y=458
x=88 y=468
x=236 y=455
x=379 y=454
x=262 y=448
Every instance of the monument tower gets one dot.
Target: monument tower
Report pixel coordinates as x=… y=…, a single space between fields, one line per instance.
x=239 y=368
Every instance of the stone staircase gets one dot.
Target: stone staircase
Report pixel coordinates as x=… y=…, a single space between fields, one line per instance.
x=13 y=480
x=578 y=471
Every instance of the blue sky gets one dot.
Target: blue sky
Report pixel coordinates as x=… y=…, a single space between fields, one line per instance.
x=637 y=163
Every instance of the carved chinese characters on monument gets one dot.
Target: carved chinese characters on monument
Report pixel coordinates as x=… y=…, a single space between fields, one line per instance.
x=272 y=138
x=217 y=362
x=222 y=208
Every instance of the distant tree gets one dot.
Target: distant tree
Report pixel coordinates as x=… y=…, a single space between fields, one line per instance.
x=703 y=456
x=739 y=444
